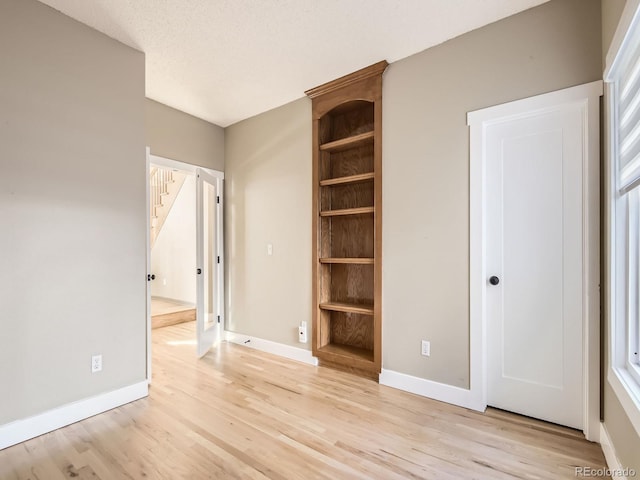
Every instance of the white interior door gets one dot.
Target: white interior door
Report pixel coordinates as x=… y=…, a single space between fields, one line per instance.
x=534 y=264
x=208 y=254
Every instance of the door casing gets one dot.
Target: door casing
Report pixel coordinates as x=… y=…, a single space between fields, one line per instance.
x=588 y=96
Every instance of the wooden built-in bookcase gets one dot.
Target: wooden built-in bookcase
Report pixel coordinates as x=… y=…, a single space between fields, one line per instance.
x=347 y=221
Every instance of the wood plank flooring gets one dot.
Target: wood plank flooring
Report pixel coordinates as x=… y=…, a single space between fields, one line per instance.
x=165 y=312
x=240 y=413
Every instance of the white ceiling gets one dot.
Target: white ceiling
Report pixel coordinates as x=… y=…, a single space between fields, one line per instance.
x=226 y=60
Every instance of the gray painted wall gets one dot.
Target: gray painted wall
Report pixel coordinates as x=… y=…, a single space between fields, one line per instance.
x=268 y=200
x=625 y=439
x=425 y=184
x=72 y=210
x=179 y=136
x=173 y=256
x=611 y=12
x=426 y=98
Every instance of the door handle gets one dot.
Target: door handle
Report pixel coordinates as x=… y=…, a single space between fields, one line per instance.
x=494 y=280
x=150 y=277
x=199 y=271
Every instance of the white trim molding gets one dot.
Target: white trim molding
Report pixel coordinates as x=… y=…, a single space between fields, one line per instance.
x=25 y=429
x=589 y=96
x=182 y=166
x=275 y=348
x=615 y=469
x=628 y=393
x=442 y=392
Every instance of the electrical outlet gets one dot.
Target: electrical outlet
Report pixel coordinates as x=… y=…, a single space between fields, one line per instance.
x=96 y=363
x=269 y=249
x=302 y=332
x=426 y=348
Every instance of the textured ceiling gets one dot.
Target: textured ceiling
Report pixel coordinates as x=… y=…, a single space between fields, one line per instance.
x=226 y=60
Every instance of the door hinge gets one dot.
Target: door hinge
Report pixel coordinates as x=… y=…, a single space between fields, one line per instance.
x=218 y=318
x=218 y=258
x=218 y=199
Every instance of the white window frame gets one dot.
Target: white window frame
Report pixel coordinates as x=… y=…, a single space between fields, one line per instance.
x=623 y=230
x=632 y=323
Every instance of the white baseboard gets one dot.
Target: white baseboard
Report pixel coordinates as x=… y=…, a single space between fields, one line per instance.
x=22 y=430
x=275 y=348
x=461 y=397
x=613 y=464
x=174 y=300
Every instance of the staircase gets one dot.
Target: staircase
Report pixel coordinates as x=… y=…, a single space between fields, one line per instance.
x=165 y=185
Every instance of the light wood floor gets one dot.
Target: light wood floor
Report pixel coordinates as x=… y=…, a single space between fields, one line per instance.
x=165 y=312
x=240 y=413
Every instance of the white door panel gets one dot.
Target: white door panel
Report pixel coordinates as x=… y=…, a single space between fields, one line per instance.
x=534 y=247
x=208 y=224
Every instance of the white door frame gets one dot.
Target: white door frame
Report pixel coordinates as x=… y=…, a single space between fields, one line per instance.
x=148 y=260
x=588 y=96
x=185 y=167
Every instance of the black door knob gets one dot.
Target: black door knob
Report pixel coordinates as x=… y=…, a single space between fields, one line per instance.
x=494 y=280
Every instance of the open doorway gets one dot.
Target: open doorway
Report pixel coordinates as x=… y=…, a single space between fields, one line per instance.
x=173 y=246
x=184 y=252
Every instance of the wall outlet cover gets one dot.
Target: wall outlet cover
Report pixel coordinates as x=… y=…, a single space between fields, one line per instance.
x=96 y=363
x=302 y=333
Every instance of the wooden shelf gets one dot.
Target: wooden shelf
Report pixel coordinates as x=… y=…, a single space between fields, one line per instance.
x=346 y=143
x=347 y=351
x=347 y=307
x=347 y=211
x=363 y=177
x=347 y=228
x=352 y=261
